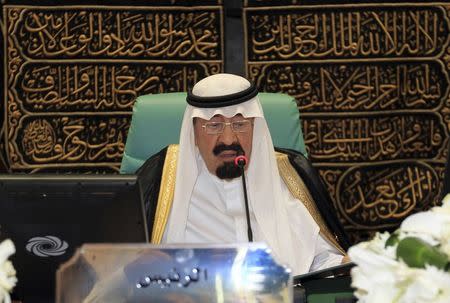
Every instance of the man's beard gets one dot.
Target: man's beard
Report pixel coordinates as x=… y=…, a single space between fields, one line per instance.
x=228 y=170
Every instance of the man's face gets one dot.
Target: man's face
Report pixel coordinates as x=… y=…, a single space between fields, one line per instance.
x=219 y=150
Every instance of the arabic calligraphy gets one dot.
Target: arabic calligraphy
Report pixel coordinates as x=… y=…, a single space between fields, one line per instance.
x=346 y=32
x=378 y=196
x=174 y=278
x=74 y=72
x=100 y=87
x=372 y=86
x=71 y=140
x=356 y=87
x=373 y=138
x=110 y=32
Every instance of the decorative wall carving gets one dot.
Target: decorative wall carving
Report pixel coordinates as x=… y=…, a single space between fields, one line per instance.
x=372 y=86
x=73 y=73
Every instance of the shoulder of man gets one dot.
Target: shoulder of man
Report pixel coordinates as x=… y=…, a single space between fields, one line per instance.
x=153 y=164
x=149 y=176
x=319 y=193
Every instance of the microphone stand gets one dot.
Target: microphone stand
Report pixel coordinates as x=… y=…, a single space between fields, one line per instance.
x=240 y=161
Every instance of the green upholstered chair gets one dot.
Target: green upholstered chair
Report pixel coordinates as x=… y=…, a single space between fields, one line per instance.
x=156 y=123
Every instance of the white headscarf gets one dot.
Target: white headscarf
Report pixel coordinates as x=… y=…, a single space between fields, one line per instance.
x=265 y=192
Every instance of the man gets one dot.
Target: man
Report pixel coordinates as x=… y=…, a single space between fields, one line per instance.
x=194 y=192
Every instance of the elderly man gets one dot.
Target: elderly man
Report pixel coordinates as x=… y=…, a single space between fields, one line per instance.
x=194 y=193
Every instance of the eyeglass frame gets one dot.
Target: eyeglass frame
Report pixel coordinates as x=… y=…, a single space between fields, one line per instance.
x=225 y=124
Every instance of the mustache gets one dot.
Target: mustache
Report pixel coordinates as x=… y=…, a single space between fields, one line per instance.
x=234 y=147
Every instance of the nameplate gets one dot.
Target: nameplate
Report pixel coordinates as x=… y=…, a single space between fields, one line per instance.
x=201 y=273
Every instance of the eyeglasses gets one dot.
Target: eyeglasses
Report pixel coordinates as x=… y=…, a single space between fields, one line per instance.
x=215 y=128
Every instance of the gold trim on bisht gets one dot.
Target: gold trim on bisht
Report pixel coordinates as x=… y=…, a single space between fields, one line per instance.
x=292 y=180
x=298 y=189
x=166 y=192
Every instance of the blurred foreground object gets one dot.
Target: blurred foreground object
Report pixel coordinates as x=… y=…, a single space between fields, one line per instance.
x=175 y=273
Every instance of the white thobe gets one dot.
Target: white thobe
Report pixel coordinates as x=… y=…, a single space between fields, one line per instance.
x=217 y=215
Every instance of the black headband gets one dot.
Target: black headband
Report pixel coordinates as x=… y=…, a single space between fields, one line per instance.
x=221 y=101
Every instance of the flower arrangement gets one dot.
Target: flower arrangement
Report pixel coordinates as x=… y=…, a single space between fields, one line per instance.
x=410 y=265
x=7 y=273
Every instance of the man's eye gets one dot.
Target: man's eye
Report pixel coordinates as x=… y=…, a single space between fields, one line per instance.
x=214 y=125
x=239 y=124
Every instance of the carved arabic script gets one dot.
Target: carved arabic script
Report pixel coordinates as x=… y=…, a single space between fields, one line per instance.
x=356 y=87
x=105 y=87
x=376 y=138
x=381 y=195
x=102 y=32
x=67 y=140
x=345 y=32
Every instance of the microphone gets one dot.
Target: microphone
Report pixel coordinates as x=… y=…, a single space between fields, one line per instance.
x=240 y=161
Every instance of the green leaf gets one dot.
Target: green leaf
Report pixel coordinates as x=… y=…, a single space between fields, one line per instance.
x=392 y=240
x=417 y=253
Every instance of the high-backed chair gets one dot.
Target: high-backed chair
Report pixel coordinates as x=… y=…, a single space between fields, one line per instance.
x=156 y=123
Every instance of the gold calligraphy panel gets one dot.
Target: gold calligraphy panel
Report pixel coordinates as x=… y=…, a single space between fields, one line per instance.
x=118 y=33
x=349 y=86
x=100 y=86
x=370 y=195
x=73 y=73
x=372 y=87
x=379 y=137
x=345 y=32
x=74 y=141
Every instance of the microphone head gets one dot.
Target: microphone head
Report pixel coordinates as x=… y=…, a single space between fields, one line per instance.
x=240 y=161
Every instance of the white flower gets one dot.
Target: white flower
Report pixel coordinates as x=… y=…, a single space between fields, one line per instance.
x=7 y=273
x=445 y=245
x=445 y=204
x=444 y=211
x=428 y=285
x=430 y=226
x=374 y=276
x=381 y=277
